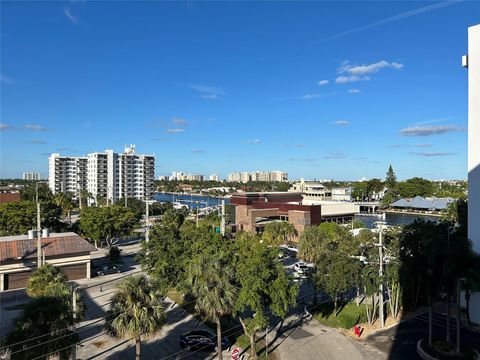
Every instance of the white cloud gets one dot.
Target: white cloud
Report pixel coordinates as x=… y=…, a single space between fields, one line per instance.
x=335 y=155
x=432 y=154
x=430 y=130
x=211 y=97
x=254 y=141
x=174 y=131
x=198 y=151
x=70 y=16
x=354 y=91
x=341 y=122
x=4 y=127
x=179 y=121
x=354 y=73
x=32 y=127
x=323 y=82
x=395 y=18
x=351 y=78
x=369 y=68
x=6 y=80
x=208 y=92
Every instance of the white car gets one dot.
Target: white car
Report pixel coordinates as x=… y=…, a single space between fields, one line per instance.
x=301 y=267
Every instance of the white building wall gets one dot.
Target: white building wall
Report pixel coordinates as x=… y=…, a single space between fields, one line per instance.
x=474 y=151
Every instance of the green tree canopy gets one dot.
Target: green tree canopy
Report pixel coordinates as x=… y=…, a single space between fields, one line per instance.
x=262 y=283
x=16 y=218
x=107 y=224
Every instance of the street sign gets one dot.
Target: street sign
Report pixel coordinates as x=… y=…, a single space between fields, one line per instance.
x=235 y=354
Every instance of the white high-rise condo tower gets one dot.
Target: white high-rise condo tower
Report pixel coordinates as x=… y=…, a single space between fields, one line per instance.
x=107 y=174
x=472 y=62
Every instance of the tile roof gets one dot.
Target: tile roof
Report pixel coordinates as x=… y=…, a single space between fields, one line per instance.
x=21 y=247
x=9 y=197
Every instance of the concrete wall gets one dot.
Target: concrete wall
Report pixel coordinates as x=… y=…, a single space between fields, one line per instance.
x=474 y=150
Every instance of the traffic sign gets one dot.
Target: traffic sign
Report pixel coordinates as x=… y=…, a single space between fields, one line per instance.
x=235 y=353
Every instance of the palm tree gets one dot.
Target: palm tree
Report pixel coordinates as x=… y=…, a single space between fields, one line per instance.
x=211 y=281
x=47 y=280
x=136 y=310
x=65 y=202
x=279 y=232
x=41 y=330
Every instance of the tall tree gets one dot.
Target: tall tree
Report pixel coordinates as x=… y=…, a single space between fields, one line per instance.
x=64 y=201
x=391 y=179
x=136 y=311
x=212 y=282
x=107 y=224
x=262 y=283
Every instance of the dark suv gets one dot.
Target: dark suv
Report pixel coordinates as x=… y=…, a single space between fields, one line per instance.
x=202 y=340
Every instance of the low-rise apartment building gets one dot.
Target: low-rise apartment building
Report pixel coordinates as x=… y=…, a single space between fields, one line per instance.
x=18 y=257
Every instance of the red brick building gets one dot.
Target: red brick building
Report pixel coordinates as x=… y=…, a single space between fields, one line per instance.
x=254 y=210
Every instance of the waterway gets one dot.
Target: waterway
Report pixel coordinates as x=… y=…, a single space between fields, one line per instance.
x=392 y=219
x=192 y=201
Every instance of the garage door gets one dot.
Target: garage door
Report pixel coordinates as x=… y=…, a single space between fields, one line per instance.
x=74 y=272
x=17 y=281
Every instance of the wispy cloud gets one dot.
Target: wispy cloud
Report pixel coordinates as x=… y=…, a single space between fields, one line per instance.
x=354 y=91
x=179 y=121
x=309 y=96
x=67 y=11
x=323 y=82
x=335 y=155
x=341 y=122
x=254 y=141
x=33 y=127
x=174 y=131
x=208 y=92
x=36 y=142
x=429 y=130
x=423 y=145
x=397 y=146
x=4 y=79
x=5 y=127
x=160 y=139
x=398 y=17
x=198 y=151
x=432 y=154
x=354 y=73
x=308 y=160
x=433 y=121
x=210 y=97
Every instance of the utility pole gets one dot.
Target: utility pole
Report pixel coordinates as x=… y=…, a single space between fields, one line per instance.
x=74 y=309
x=222 y=224
x=147 y=222
x=39 y=231
x=80 y=196
x=380 y=273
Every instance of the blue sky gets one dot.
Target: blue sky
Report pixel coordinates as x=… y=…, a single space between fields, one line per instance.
x=319 y=89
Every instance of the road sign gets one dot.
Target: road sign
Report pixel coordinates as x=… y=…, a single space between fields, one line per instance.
x=235 y=353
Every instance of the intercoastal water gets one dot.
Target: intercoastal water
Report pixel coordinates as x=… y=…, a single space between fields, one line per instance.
x=192 y=201
x=392 y=219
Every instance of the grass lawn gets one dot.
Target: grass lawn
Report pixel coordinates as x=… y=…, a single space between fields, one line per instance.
x=348 y=315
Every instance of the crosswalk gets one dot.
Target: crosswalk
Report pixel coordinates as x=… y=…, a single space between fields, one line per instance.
x=438 y=320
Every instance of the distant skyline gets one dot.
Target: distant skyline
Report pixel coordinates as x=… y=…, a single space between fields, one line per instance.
x=336 y=90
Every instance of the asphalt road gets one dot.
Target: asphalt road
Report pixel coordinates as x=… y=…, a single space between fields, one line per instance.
x=400 y=341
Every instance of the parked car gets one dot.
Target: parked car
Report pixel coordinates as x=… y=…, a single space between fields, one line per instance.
x=301 y=267
x=109 y=269
x=203 y=340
